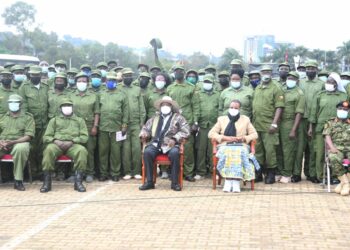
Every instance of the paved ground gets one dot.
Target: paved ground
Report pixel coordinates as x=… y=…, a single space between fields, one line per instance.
x=119 y=216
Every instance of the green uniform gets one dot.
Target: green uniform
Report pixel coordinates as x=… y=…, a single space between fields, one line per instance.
x=13 y=128
x=54 y=100
x=246 y=81
x=322 y=109
x=152 y=97
x=132 y=145
x=209 y=104
x=4 y=95
x=15 y=86
x=243 y=94
x=338 y=130
x=186 y=97
x=266 y=99
x=64 y=128
x=114 y=113
x=86 y=106
x=294 y=104
x=35 y=101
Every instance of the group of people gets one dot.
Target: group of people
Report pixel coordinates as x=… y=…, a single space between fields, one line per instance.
x=98 y=117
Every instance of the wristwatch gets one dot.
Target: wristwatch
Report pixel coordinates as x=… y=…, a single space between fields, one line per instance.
x=274 y=125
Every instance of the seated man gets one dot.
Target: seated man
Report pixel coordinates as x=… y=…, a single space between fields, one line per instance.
x=16 y=130
x=64 y=135
x=337 y=138
x=165 y=130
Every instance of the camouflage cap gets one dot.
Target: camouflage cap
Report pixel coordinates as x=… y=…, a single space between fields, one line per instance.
x=73 y=71
x=301 y=66
x=178 y=66
x=210 y=66
x=112 y=61
x=52 y=67
x=266 y=68
x=236 y=62
x=346 y=73
x=323 y=73
x=191 y=71
x=85 y=66
x=254 y=72
x=28 y=65
x=311 y=63
x=146 y=74
x=66 y=101
x=96 y=72
x=34 y=70
x=118 y=68
x=111 y=75
x=15 y=98
x=284 y=64
x=61 y=62
x=155 y=67
x=5 y=72
x=16 y=68
x=293 y=73
x=223 y=73
x=80 y=74
x=208 y=78
x=127 y=71
x=61 y=75
x=101 y=64
x=142 y=64
x=201 y=72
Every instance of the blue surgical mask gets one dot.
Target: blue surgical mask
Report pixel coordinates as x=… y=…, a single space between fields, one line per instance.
x=19 y=78
x=71 y=81
x=291 y=84
x=323 y=78
x=103 y=72
x=44 y=69
x=51 y=74
x=255 y=82
x=96 y=82
x=111 y=84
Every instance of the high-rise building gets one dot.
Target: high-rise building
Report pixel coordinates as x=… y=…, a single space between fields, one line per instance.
x=256 y=47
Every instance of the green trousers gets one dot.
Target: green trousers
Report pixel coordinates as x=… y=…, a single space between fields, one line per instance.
x=36 y=152
x=131 y=153
x=336 y=161
x=319 y=148
x=289 y=148
x=109 y=154
x=77 y=153
x=20 y=153
x=265 y=149
x=91 y=146
x=204 y=151
x=189 y=156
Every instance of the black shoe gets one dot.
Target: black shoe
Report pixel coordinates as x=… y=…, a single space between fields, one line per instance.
x=46 y=187
x=296 y=178
x=146 y=186
x=176 y=187
x=115 y=178
x=270 y=177
x=314 y=180
x=78 y=184
x=190 y=178
x=258 y=176
x=19 y=186
x=103 y=178
x=335 y=181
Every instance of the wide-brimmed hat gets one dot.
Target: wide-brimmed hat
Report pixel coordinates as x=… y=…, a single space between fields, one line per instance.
x=167 y=99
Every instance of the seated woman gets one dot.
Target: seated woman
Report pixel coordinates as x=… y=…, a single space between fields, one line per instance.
x=234 y=131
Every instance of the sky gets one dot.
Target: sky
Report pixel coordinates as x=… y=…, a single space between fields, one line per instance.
x=187 y=26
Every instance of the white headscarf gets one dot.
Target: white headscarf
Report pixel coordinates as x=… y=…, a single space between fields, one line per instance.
x=337 y=78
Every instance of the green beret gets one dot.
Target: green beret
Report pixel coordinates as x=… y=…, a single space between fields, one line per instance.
x=15 y=98
x=85 y=66
x=61 y=62
x=284 y=64
x=17 y=67
x=5 y=72
x=96 y=72
x=208 y=78
x=224 y=73
x=266 y=68
x=111 y=75
x=34 y=70
x=145 y=74
x=155 y=67
x=73 y=71
x=101 y=64
x=127 y=71
x=61 y=75
x=8 y=65
x=236 y=62
x=210 y=66
x=346 y=73
x=201 y=72
x=66 y=101
x=311 y=63
x=254 y=72
x=80 y=74
x=323 y=73
x=293 y=73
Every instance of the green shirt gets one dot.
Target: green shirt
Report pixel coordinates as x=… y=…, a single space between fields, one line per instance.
x=187 y=99
x=294 y=100
x=54 y=100
x=35 y=101
x=310 y=88
x=66 y=128
x=209 y=104
x=15 y=86
x=266 y=99
x=243 y=94
x=14 y=127
x=4 y=96
x=114 y=110
x=324 y=108
x=137 y=112
x=152 y=97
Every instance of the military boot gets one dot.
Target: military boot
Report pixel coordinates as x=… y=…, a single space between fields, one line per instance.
x=270 y=177
x=78 y=184
x=46 y=187
x=19 y=185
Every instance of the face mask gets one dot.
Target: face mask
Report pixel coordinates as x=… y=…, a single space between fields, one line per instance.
x=44 y=69
x=103 y=72
x=235 y=85
x=201 y=78
x=345 y=82
x=71 y=81
x=266 y=78
x=143 y=83
x=111 y=84
x=51 y=74
x=233 y=112
x=35 y=80
x=14 y=106
x=59 y=87
x=6 y=81
x=207 y=86
x=60 y=69
x=302 y=74
x=165 y=110
x=323 y=78
x=311 y=74
x=255 y=83
x=179 y=76
x=224 y=81
x=291 y=84
x=329 y=87
x=239 y=72
x=96 y=82
x=128 y=80
x=283 y=74
x=81 y=86
x=19 y=78
x=87 y=72
x=342 y=114
x=67 y=110
x=192 y=80
x=159 y=84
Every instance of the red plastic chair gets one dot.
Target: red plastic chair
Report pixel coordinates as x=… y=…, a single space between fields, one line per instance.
x=9 y=158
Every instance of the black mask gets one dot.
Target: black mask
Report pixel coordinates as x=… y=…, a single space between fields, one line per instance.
x=311 y=74
x=128 y=80
x=239 y=72
x=6 y=81
x=283 y=74
x=35 y=80
x=59 y=87
x=143 y=83
x=179 y=76
x=224 y=81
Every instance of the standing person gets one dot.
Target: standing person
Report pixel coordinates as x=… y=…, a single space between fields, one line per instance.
x=18 y=77
x=268 y=104
x=237 y=68
x=57 y=94
x=283 y=70
x=5 y=90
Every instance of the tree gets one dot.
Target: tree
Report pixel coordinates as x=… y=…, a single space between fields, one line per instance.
x=344 y=52
x=226 y=58
x=197 y=61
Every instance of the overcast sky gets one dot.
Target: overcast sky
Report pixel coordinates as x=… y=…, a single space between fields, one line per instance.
x=186 y=26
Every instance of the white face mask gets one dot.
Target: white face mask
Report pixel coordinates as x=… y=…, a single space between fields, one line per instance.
x=235 y=85
x=323 y=78
x=165 y=110
x=233 y=112
x=302 y=74
x=14 y=106
x=159 y=84
x=342 y=114
x=200 y=78
x=81 y=86
x=207 y=86
x=329 y=87
x=67 y=110
x=291 y=84
x=60 y=69
x=265 y=78
x=345 y=82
